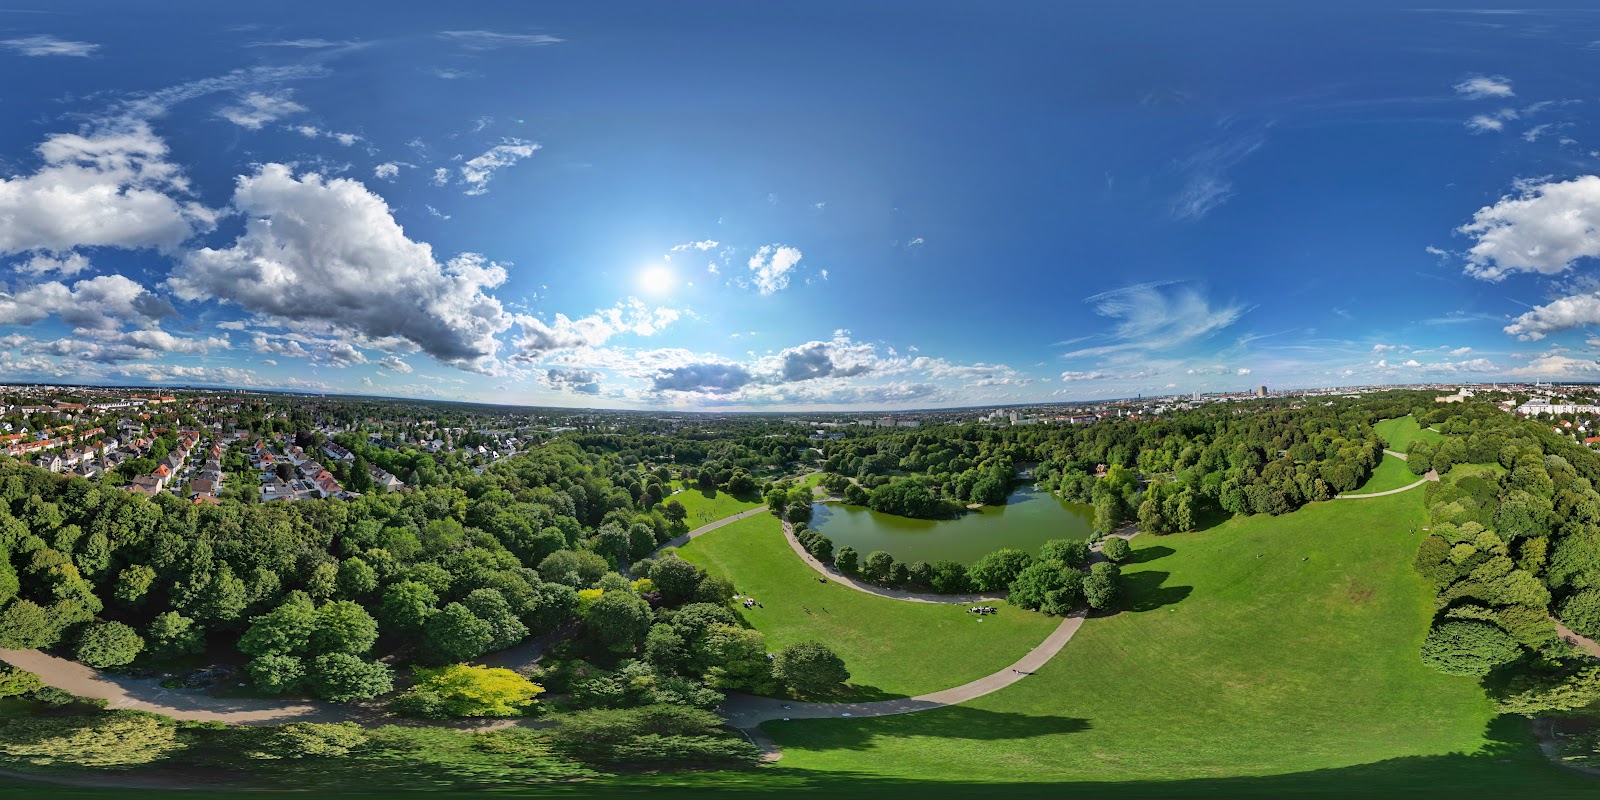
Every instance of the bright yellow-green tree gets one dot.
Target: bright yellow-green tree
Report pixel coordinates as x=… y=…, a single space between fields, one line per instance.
x=461 y=690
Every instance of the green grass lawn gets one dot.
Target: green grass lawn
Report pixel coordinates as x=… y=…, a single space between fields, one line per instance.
x=709 y=506
x=892 y=648
x=1392 y=473
x=1225 y=670
x=1402 y=431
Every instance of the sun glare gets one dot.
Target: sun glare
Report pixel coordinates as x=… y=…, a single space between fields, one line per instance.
x=657 y=280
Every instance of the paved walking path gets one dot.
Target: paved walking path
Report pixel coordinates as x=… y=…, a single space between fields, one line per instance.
x=1401 y=456
x=1431 y=476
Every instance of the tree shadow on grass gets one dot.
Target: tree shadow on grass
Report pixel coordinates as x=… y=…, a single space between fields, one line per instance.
x=950 y=722
x=1145 y=555
x=1143 y=591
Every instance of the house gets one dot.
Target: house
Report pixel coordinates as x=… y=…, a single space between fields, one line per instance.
x=201 y=486
x=276 y=490
x=337 y=453
x=145 y=485
x=50 y=461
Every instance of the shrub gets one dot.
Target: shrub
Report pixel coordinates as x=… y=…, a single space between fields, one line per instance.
x=112 y=740
x=275 y=674
x=342 y=677
x=108 y=644
x=14 y=682
x=1468 y=647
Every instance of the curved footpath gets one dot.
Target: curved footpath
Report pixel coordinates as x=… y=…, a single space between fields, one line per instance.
x=1431 y=476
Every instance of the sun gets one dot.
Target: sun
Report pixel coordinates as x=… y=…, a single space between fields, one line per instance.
x=657 y=280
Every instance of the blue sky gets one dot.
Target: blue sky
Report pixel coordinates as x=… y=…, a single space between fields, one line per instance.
x=820 y=205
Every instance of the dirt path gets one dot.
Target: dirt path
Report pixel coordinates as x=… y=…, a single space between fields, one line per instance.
x=1431 y=476
x=1401 y=456
x=1576 y=639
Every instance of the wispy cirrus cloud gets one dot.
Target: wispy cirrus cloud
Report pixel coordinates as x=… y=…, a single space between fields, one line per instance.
x=48 y=45
x=491 y=40
x=1157 y=317
x=1206 y=184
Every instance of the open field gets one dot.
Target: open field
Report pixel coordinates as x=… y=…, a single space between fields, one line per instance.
x=1402 y=431
x=1392 y=473
x=1226 y=670
x=892 y=648
x=709 y=506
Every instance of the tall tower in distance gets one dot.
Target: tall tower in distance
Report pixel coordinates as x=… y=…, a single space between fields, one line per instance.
x=1261 y=391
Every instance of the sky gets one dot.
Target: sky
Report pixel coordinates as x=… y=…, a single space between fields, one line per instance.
x=778 y=206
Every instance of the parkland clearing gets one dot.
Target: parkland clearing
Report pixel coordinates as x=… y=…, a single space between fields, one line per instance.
x=1290 y=596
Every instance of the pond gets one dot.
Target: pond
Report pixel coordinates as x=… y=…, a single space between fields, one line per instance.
x=1029 y=518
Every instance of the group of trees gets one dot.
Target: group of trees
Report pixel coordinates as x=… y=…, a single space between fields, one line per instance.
x=1508 y=546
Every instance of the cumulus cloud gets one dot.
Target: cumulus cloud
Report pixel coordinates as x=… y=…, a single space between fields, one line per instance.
x=1460 y=351
x=577 y=381
x=47 y=45
x=701 y=245
x=330 y=251
x=477 y=171
x=771 y=265
x=540 y=338
x=103 y=303
x=395 y=364
x=1071 y=376
x=708 y=377
x=109 y=188
x=839 y=358
x=68 y=264
x=259 y=108
x=1383 y=348
x=1156 y=316
x=1543 y=228
x=313 y=132
x=1559 y=315
x=388 y=170
x=1479 y=87
x=1242 y=371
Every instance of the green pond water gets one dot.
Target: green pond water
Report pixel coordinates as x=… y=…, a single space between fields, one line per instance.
x=1029 y=518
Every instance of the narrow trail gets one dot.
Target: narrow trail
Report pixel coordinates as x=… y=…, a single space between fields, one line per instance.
x=1401 y=456
x=1431 y=476
x=1576 y=639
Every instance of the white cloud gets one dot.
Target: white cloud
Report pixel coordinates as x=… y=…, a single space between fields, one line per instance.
x=67 y=265
x=1484 y=123
x=104 y=303
x=1383 y=348
x=1242 y=371
x=330 y=251
x=1205 y=174
x=1479 y=87
x=1460 y=351
x=441 y=176
x=1532 y=134
x=395 y=364
x=490 y=40
x=1555 y=365
x=110 y=188
x=771 y=265
x=703 y=245
x=259 y=108
x=1559 y=315
x=540 y=339
x=388 y=169
x=1156 y=316
x=47 y=45
x=477 y=171
x=313 y=132
x=1072 y=375
x=303 y=44
x=1543 y=228
x=917 y=242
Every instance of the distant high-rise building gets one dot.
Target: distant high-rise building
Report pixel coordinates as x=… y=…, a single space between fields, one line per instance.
x=1261 y=391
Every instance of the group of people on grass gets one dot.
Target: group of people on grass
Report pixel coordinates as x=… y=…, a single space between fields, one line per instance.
x=980 y=610
x=749 y=602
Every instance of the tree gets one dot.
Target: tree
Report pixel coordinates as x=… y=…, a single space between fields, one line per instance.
x=1581 y=612
x=1152 y=518
x=949 y=577
x=172 y=635
x=1029 y=588
x=456 y=634
x=15 y=682
x=342 y=677
x=1116 y=549
x=1541 y=695
x=809 y=668
x=305 y=740
x=1100 y=588
x=997 y=570
x=276 y=673
x=356 y=579
x=674 y=512
x=133 y=582
x=846 y=560
x=284 y=630
x=619 y=620
x=25 y=625
x=574 y=568
x=406 y=606
x=878 y=566
x=116 y=739
x=343 y=627
x=108 y=644
x=1071 y=552
x=736 y=658
x=677 y=579
x=1107 y=513
x=1468 y=647
x=490 y=606
x=460 y=690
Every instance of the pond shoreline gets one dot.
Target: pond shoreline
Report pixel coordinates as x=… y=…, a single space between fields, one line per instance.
x=1030 y=516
